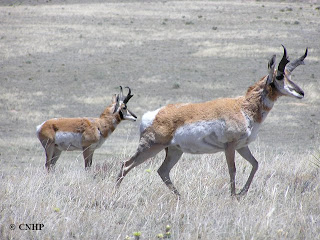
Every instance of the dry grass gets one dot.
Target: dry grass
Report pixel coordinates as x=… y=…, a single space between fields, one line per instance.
x=67 y=58
x=283 y=202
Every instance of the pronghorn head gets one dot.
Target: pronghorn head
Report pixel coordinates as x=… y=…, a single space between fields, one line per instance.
x=121 y=106
x=282 y=77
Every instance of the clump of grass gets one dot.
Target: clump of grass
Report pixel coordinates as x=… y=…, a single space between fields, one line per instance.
x=316 y=160
x=176 y=86
x=165 y=235
x=137 y=235
x=189 y=23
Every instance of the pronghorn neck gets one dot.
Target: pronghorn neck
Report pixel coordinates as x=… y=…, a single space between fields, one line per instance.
x=109 y=121
x=260 y=99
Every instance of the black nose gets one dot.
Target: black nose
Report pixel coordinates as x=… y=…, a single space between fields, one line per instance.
x=302 y=93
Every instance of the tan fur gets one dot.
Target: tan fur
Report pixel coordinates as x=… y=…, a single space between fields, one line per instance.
x=85 y=134
x=90 y=128
x=227 y=124
x=253 y=104
x=171 y=117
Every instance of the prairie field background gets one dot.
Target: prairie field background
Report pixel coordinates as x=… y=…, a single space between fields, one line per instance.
x=67 y=58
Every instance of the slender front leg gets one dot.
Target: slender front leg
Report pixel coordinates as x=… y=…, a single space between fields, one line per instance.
x=230 y=154
x=87 y=155
x=246 y=154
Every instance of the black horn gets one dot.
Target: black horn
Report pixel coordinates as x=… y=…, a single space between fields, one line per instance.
x=292 y=65
x=121 y=94
x=282 y=64
x=128 y=96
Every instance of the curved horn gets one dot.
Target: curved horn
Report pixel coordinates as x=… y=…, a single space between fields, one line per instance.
x=128 y=96
x=292 y=65
x=121 y=94
x=282 y=64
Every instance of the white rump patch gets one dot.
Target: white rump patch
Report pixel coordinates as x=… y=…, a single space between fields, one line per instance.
x=39 y=128
x=147 y=119
x=68 y=141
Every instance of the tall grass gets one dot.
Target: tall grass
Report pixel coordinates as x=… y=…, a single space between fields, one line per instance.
x=283 y=202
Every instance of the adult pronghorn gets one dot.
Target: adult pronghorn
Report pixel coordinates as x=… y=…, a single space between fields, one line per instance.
x=85 y=134
x=228 y=125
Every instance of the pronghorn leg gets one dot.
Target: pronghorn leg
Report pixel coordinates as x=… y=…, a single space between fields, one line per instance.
x=246 y=154
x=230 y=155
x=142 y=154
x=87 y=155
x=55 y=157
x=172 y=157
x=49 y=149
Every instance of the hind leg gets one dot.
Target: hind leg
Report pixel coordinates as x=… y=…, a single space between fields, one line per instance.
x=55 y=157
x=48 y=146
x=52 y=153
x=173 y=155
x=142 y=154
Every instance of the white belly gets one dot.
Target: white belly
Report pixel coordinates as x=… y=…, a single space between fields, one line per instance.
x=211 y=137
x=201 y=137
x=68 y=141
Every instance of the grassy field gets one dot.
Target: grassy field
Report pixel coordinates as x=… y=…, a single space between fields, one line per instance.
x=67 y=58
x=283 y=202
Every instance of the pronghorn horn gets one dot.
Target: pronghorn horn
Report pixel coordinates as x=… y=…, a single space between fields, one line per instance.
x=128 y=96
x=121 y=94
x=282 y=64
x=292 y=65
x=271 y=69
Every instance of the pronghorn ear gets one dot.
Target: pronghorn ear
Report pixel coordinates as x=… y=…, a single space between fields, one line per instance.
x=271 y=65
x=116 y=102
x=114 y=99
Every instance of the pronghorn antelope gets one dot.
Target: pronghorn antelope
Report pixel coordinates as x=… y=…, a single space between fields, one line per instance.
x=84 y=134
x=228 y=125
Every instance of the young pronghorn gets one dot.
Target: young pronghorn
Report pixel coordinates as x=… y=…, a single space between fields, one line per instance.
x=84 y=134
x=227 y=125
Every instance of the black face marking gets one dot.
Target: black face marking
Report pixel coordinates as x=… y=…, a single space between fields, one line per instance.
x=121 y=115
x=280 y=77
x=272 y=85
